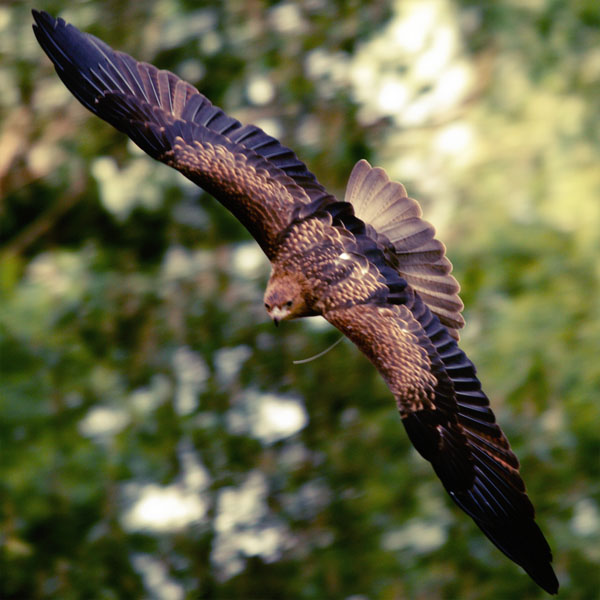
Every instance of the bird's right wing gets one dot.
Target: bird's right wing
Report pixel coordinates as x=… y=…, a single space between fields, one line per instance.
x=258 y=179
x=449 y=421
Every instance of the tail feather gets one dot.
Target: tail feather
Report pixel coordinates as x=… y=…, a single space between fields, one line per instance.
x=385 y=206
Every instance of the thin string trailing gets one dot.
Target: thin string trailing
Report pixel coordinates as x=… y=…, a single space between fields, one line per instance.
x=306 y=360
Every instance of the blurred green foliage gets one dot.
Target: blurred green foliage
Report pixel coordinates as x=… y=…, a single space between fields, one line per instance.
x=135 y=353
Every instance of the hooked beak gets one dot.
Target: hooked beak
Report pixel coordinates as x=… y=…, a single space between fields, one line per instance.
x=278 y=314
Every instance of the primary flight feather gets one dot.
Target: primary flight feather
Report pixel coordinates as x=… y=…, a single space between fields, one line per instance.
x=370 y=265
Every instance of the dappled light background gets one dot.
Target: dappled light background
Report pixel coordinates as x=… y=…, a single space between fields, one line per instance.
x=158 y=440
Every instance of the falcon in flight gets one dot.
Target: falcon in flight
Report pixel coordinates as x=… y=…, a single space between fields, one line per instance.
x=369 y=265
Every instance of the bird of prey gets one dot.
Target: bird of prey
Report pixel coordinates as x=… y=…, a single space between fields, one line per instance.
x=370 y=265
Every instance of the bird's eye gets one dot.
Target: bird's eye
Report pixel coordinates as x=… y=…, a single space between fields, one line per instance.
x=288 y=303
x=267 y=306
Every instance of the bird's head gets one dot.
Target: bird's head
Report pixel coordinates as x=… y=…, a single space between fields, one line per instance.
x=284 y=299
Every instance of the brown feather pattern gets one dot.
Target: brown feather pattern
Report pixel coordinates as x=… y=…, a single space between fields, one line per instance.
x=370 y=265
x=387 y=335
x=262 y=199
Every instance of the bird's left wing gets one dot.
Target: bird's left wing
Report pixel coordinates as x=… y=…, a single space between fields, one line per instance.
x=448 y=419
x=258 y=179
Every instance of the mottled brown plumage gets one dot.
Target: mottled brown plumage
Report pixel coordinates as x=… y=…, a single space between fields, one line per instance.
x=370 y=265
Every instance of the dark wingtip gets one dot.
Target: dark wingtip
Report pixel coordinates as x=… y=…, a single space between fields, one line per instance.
x=43 y=19
x=524 y=543
x=545 y=577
